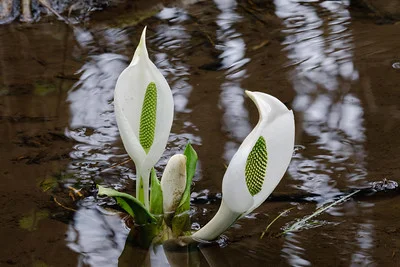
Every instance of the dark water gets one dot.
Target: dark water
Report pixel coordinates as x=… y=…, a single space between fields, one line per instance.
x=337 y=68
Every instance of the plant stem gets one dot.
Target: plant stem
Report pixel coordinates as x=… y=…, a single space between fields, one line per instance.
x=145 y=189
x=224 y=218
x=140 y=193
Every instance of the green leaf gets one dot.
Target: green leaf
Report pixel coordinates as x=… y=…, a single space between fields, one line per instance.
x=130 y=204
x=191 y=161
x=156 y=195
x=181 y=220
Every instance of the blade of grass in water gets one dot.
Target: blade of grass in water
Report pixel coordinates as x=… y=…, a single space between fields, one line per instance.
x=274 y=220
x=300 y=224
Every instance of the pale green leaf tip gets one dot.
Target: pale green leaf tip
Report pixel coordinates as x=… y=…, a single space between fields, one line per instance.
x=101 y=189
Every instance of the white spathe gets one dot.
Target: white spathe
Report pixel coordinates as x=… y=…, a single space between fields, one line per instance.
x=128 y=101
x=276 y=126
x=173 y=183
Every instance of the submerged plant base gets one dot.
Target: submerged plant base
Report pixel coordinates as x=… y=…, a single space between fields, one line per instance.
x=171 y=252
x=156 y=224
x=145 y=227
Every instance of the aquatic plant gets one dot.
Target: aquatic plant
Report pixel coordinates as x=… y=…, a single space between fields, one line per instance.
x=257 y=167
x=144 y=111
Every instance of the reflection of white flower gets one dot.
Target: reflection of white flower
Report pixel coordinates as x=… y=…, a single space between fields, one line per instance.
x=144 y=110
x=257 y=167
x=96 y=234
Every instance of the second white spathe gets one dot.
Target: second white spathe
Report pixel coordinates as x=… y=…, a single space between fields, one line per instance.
x=275 y=132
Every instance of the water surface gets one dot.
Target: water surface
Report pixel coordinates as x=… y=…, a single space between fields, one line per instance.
x=335 y=67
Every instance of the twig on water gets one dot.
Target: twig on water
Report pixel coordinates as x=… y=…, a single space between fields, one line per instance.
x=62 y=206
x=116 y=165
x=47 y=5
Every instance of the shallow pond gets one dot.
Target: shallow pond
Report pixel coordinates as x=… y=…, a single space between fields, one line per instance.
x=338 y=69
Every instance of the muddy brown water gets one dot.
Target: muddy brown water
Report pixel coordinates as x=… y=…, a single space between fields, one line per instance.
x=338 y=69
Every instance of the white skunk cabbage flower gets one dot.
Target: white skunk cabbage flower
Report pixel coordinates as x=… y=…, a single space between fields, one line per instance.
x=144 y=111
x=257 y=167
x=173 y=183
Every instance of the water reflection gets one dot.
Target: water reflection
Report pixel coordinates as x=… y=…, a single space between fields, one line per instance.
x=172 y=42
x=319 y=45
x=294 y=252
x=92 y=123
x=8 y=11
x=232 y=46
x=365 y=239
x=31 y=11
x=98 y=237
x=320 y=50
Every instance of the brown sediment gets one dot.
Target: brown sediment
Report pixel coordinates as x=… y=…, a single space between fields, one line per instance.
x=389 y=9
